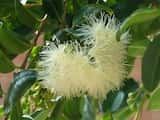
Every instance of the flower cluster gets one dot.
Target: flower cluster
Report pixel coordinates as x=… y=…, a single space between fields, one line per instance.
x=95 y=70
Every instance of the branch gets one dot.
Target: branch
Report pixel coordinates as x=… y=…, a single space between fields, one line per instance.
x=38 y=33
x=138 y=115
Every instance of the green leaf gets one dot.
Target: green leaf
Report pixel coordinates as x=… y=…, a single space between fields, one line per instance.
x=129 y=63
x=35 y=113
x=20 y=84
x=43 y=115
x=72 y=108
x=134 y=99
x=123 y=114
x=88 y=109
x=34 y=56
x=25 y=16
x=15 y=9
x=59 y=6
x=54 y=8
x=16 y=113
x=12 y=42
x=151 y=65
x=111 y=2
x=154 y=27
x=107 y=116
x=34 y=1
x=5 y=64
x=56 y=112
x=1 y=111
x=118 y=101
x=154 y=103
x=6 y=5
x=139 y=16
x=137 y=48
x=114 y=101
x=129 y=85
x=140 y=31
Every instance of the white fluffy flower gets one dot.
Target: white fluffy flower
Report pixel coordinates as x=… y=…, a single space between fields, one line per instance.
x=74 y=73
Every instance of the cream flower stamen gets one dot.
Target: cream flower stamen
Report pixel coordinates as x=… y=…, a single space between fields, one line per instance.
x=72 y=72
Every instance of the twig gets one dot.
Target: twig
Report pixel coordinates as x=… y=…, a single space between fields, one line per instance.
x=38 y=33
x=32 y=5
x=138 y=115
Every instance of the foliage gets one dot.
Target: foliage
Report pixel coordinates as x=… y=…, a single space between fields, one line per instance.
x=21 y=25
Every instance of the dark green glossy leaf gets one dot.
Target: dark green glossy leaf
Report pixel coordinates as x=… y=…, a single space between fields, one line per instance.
x=16 y=113
x=5 y=64
x=120 y=97
x=154 y=27
x=72 y=108
x=25 y=17
x=129 y=85
x=88 y=109
x=36 y=11
x=20 y=84
x=12 y=42
x=123 y=8
x=59 y=6
x=54 y=8
x=139 y=16
x=72 y=6
x=116 y=100
x=154 y=103
x=151 y=65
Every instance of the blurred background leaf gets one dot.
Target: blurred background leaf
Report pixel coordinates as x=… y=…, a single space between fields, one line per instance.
x=151 y=65
x=5 y=64
x=154 y=103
